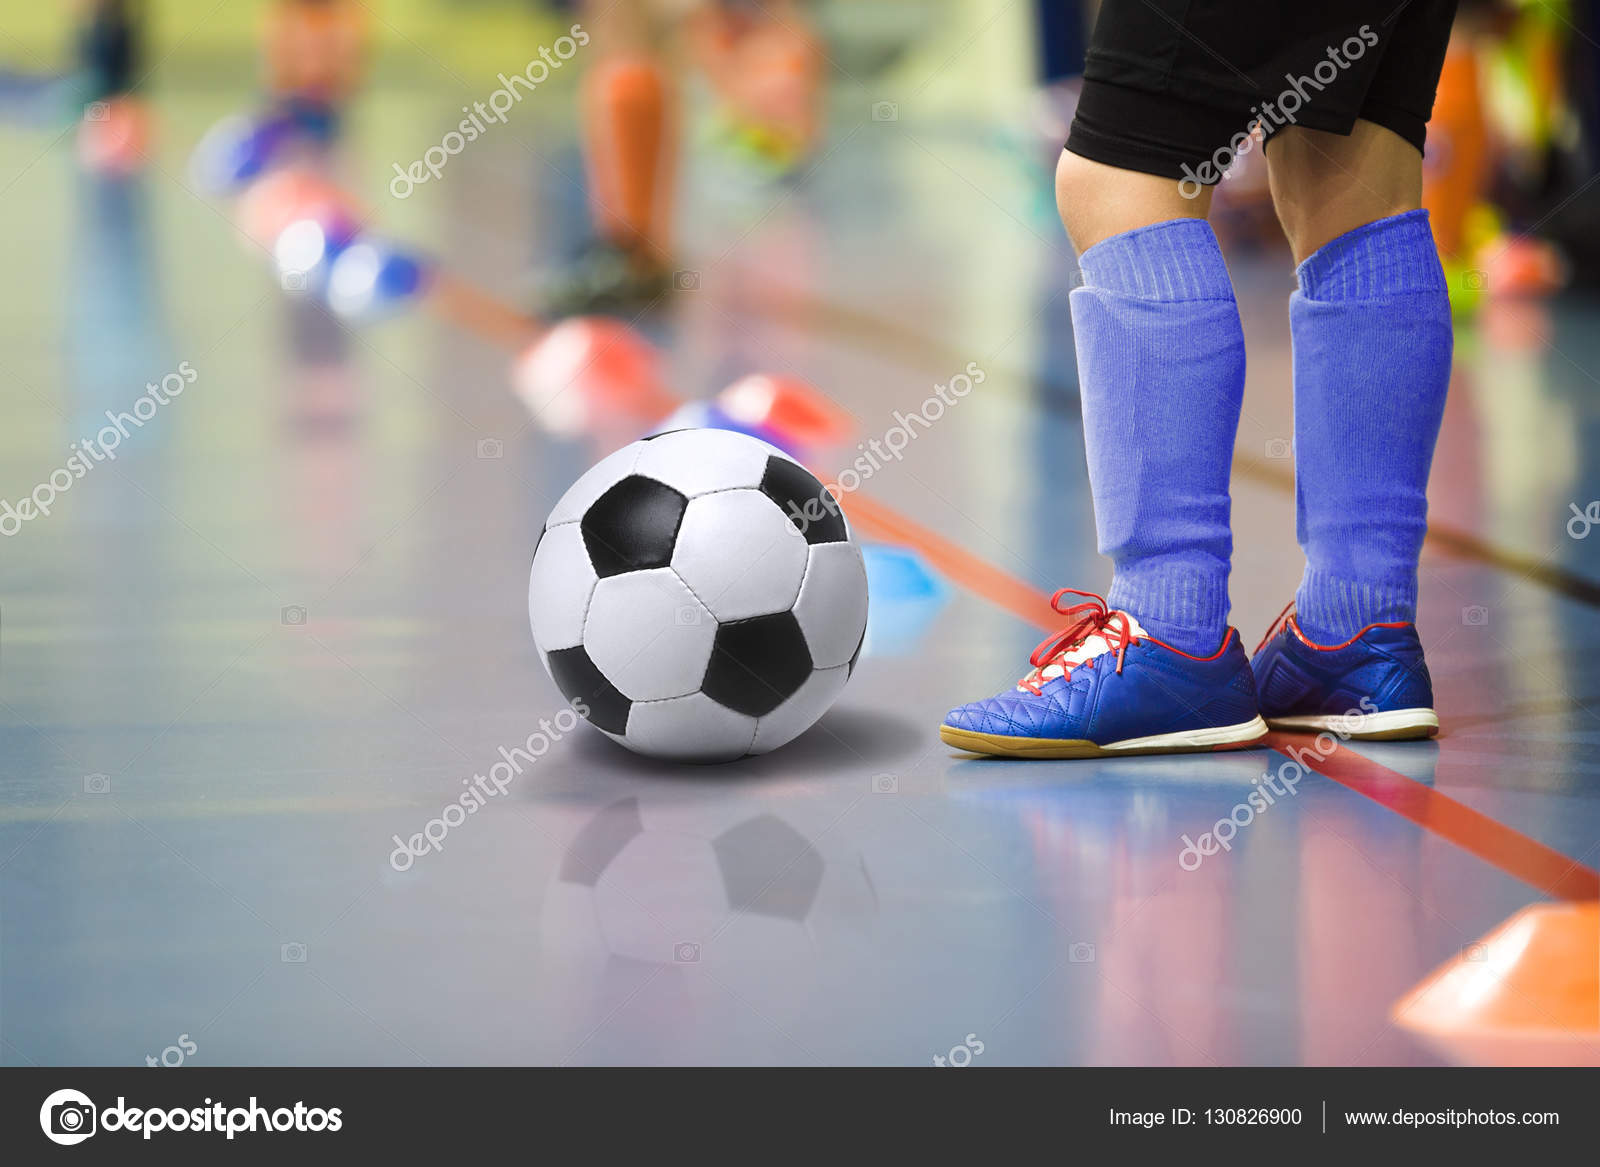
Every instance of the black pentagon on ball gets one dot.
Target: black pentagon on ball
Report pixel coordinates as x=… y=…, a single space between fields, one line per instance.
x=808 y=504
x=588 y=690
x=601 y=840
x=633 y=526
x=756 y=665
x=768 y=868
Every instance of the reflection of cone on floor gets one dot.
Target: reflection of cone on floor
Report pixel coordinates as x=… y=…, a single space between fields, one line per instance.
x=1527 y=994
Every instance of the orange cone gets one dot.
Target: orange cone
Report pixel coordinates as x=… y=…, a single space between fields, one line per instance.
x=1527 y=994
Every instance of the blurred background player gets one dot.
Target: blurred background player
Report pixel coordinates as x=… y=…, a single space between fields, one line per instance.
x=764 y=65
x=628 y=131
x=315 y=58
x=116 y=126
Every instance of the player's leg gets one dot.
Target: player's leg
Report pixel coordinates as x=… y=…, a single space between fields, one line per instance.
x=1097 y=201
x=1372 y=346
x=628 y=132
x=627 y=138
x=1161 y=372
x=1155 y=666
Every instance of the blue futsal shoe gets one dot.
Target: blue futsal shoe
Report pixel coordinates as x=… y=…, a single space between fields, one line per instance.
x=1103 y=687
x=1373 y=687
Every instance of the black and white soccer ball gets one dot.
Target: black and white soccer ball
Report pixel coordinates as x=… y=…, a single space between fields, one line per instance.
x=699 y=596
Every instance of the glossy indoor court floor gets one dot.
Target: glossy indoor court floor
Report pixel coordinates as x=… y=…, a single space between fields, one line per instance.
x=290 y=620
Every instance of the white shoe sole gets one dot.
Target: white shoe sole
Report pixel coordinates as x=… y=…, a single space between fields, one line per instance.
x=1390 y=725
x=1224 y=737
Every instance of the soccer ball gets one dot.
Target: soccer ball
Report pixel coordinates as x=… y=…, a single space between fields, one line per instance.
x=698 y=595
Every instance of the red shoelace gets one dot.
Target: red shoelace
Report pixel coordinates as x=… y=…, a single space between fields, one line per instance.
x=1089 y=619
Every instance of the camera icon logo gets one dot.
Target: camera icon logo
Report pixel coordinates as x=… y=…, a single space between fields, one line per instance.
x=1475 y=281
x=292 y=953
x=686 y=281
x=885 y=111
x=294 y=616
x=97 y=111
x=67 y=1117
x=97 y=784
x=294 y=281
x=885 y=784
x=1475 y=616
x=491 y=448
x=686 y=953
x=687 y=616
x=1280 y=449
x=1081 y=953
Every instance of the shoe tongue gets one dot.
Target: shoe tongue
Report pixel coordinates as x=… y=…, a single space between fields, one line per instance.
x=1094 y=646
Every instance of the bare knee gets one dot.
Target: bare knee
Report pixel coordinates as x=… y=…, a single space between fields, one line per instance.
x=1075 y=196
x=1324 y=185
x=1097 y=201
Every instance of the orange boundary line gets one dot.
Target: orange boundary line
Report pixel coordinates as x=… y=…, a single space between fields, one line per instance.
x=1510 y=850
x=1014 y=595
x=1504 y=847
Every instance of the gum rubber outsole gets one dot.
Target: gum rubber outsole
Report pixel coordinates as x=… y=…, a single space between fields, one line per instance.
x=1231 y=737
x=1392 y=725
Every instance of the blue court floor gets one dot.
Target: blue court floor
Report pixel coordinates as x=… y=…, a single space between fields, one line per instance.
x=290 y=619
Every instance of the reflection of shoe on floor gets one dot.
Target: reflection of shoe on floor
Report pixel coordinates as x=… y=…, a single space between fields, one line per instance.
x=1104 y=687
x=603 y=278
x=1375 y=686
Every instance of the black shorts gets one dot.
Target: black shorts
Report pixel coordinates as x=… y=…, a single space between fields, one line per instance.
x=1171 y=86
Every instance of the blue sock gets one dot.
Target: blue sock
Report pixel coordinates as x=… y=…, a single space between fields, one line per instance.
x=1372 y=340
x=1161 y=366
